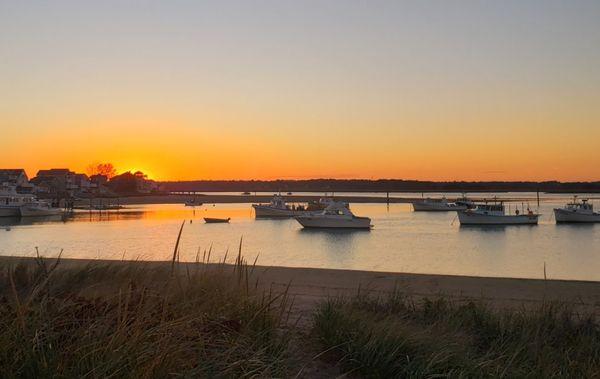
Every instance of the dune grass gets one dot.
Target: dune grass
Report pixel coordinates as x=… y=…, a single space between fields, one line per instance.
x=394 y=336
x=155 y=320
x=138 y=320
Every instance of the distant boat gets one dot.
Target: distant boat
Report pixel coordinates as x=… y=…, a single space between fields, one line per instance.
x=39 y=208
x=289 y=193
x=495 y=214
x=335 y=216
x=213 y=220
x=577 y=212
x=437 y=205
x=246 y=193
x=465 y=201
x=192 y=203
x=11 y=202
x=277 y=207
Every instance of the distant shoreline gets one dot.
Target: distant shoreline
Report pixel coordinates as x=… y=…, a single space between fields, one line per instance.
x=380 y=185
x=249 y=199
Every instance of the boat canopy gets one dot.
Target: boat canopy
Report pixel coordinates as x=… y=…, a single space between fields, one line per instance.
x=278 y=202
x=337 y=208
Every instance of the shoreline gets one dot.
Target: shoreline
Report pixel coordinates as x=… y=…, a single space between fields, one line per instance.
x=249 y=199
x=308 y=286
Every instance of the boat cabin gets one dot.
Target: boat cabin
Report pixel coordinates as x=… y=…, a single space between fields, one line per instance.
x=278 y=202
x=580 y=207
x=338 y=209
x=491 y=209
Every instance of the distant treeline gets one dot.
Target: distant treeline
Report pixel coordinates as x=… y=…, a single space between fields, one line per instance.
x=382 y=185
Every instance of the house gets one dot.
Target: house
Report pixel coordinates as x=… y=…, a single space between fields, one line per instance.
x=16 y=179
x=61 y=181
x=82 y=183
x=99 y=184
x=99 y=180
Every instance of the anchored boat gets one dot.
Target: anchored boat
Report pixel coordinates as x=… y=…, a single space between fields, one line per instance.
x=335 y=216
x=437 y=205
x=465 y=201
x=577 y=211
x=276 y=208
x=495 y=214
x=39 y=208
x=11 y=202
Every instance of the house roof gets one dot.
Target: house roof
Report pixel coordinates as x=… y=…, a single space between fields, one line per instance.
x=7 y=174
x=54 y=172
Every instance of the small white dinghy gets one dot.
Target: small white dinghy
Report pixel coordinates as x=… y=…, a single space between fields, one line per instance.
x=495 y=214
x=335 y=216
x=577 y=212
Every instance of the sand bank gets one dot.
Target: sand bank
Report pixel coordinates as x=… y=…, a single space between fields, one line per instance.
x=310 y=285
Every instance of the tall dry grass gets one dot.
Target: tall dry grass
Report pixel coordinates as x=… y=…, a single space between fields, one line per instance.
x=398 y=337
x=102 y=320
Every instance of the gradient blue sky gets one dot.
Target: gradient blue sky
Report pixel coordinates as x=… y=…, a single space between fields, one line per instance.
x=441 y=90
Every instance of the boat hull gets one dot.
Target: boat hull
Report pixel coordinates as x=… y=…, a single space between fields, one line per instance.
x=210 y=220
x=470 y=218
x=566 y=216
x=433 y=207
x=316 y=222
x=7 y=211
x=32 y=211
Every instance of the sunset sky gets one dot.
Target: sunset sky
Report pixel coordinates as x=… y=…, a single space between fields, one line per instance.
x=439 y=90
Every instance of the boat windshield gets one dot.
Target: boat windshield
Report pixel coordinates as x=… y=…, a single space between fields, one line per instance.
x=491 y=208
x=337 y=209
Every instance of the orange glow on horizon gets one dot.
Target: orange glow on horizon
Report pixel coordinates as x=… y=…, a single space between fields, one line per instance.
x=287 y=90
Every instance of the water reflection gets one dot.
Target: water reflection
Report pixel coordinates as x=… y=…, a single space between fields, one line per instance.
x=15 y=221
x=401 y=240
x=154 y=212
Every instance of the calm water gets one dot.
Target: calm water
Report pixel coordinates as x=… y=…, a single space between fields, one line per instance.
x=402 y=240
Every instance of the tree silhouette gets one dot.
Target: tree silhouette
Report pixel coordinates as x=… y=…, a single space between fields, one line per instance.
x=106 y=169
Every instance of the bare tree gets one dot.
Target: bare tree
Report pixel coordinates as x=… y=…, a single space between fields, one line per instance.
x=106 y=169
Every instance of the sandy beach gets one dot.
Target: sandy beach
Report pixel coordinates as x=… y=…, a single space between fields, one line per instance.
x=308 y=286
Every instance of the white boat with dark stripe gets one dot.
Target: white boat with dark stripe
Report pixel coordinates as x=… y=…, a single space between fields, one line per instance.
x=336 y=216
x=495 y=214
x=577 y=212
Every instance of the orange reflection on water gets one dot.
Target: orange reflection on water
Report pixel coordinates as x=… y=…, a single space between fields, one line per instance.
x=168 y=212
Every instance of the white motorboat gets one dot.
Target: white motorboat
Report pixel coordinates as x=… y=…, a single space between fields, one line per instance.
x=11 y=202
x=437 y=205
x=335 y=216
x=577 y=211
x=278 y=208
x=495 y=214
x=39 y=208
